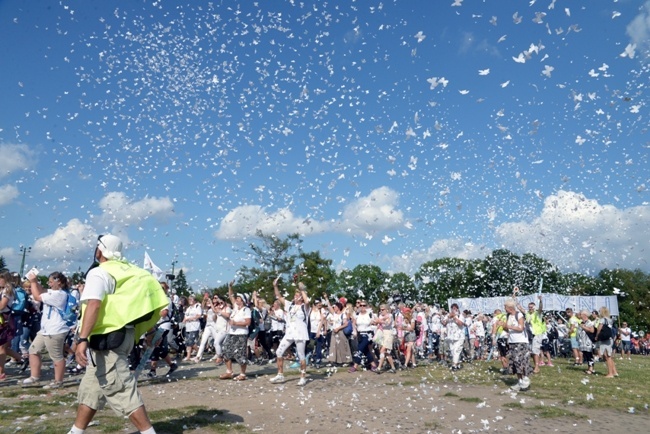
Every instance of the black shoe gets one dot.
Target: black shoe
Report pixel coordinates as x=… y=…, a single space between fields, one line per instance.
x=152 y=374
x=172 y=368
x=24 y=365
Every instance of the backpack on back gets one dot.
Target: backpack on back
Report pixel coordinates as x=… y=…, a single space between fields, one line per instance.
x=69 y=313
x=254 y=326
x=605 y=332
x=20 y=300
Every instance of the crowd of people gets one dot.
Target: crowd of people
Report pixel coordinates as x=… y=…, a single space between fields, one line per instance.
x=301 y=330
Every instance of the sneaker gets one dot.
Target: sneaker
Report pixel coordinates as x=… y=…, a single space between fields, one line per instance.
x=76 y=370
x=392 y=371
x=271 y=361
x=525 y=383
x=550 y=364
x=294 y=365
x=195 y=360
x=302 y=381
x=172 y=368
x=541 y=364
x=25 y=364
x=31 y=381
x=352 y=370
x=277 y=379
x=516 y=387
x=152 y=374
x=53 y=385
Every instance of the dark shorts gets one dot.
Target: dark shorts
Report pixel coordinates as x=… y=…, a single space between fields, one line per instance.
x=502 y=345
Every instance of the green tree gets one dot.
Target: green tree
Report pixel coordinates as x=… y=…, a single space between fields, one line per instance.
x=273 y=257
x=3 y=264
x=445 y=278
x=180 y=285
x=316 y=273
x=403 y=284
x=363 y=281
x=632 y=289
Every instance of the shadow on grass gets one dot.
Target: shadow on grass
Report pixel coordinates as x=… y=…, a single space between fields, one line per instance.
x=178 y=421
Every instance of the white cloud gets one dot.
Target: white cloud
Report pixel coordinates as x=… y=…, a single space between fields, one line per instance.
x=245 y=220
x=579 y=234
x=120 y=211
x=373 y=213
x=639 y=28
x=573 y=232
x=14 y=158
x=7 y=194
x=70 y=243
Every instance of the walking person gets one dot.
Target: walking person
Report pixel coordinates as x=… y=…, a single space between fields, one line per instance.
x=192 y=321
x=53 y=332
x=119 y=303
x=518 y=350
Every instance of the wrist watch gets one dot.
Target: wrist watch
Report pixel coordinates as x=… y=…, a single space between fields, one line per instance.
x=80 y=340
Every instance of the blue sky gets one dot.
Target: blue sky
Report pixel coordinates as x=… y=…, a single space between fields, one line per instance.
x=387 y=133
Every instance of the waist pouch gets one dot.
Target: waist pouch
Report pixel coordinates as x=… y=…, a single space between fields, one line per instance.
x=107 y=341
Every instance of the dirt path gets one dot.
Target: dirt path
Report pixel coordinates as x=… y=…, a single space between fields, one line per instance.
x=335 y=402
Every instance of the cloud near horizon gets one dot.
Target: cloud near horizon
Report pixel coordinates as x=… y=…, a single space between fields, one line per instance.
x=573 y=232
x=370 y=214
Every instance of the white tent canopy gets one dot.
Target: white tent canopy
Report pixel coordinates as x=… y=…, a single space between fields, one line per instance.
x=550 y=302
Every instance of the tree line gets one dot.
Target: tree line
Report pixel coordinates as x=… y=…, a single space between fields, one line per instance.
x=434 y=282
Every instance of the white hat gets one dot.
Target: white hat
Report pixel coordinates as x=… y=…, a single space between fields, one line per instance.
x=110 y=246
x=244 y=297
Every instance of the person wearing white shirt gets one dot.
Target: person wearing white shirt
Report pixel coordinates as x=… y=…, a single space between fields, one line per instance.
x=317 y=332
x=51 y=336
x=192 y=321
x=365 y=333
x=455 y=323
x=626 y=340
x=296 y=332
x=236 y=344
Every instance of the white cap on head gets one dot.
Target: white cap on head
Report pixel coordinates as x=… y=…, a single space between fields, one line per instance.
x=243 y=296
x=110 y=246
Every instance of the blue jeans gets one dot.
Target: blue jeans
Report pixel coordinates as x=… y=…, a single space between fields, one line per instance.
x=317 y=357
x=363 y=348
x=18 y=338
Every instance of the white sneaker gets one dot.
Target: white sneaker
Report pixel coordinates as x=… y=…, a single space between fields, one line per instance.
x=31 y=381
x=278 y=379
x=302 y=381
x=525 y=383
x=516 y=387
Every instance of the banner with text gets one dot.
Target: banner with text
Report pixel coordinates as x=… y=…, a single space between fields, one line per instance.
x=549 y=302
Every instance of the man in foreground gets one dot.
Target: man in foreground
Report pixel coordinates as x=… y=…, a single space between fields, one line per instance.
x=119 y=303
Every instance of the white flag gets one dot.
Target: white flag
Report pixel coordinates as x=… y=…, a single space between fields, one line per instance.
x=153 y=268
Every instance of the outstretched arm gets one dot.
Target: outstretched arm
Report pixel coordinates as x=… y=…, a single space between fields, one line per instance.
x=277 y=291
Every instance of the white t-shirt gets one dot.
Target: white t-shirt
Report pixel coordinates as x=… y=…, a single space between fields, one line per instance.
x=239 y=315
x=364 y=322
x=277 y=326
x=191 y=312
x=10 y=301
x=626 y=337
x=52 y=322
x=222 y=323
x=516 y=337
x=454 y=331
x=98 y=284
x=315 y=317
x=296 y=326
x=165 y=323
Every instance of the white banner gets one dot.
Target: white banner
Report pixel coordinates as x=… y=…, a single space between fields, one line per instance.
x=549 y=302
x=153 y=268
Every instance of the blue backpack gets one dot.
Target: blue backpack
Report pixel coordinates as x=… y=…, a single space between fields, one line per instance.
x=69 y=314
x=20 y=301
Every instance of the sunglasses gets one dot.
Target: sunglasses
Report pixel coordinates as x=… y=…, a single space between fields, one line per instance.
x=363 y=305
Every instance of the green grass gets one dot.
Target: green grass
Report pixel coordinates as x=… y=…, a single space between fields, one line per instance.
x=55 y=414
x=564 y=384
